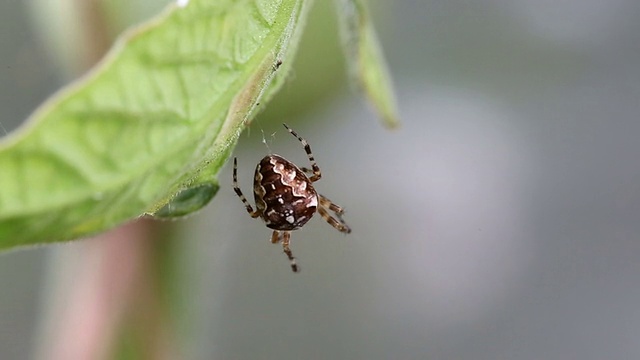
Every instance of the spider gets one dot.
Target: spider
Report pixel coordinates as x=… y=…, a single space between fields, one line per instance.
x=285 y=198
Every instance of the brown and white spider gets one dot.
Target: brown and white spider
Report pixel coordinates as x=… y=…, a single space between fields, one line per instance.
x=285 y=197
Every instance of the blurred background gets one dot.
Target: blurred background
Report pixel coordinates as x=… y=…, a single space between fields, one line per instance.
x=500 y=221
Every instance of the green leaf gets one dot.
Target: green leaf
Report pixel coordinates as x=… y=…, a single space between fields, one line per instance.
x=157 y=117
x=365 y=59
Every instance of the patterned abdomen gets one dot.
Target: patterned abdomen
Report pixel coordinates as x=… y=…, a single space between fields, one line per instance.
x=283 y=193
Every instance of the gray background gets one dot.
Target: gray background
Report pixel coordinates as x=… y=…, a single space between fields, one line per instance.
x=499 y=222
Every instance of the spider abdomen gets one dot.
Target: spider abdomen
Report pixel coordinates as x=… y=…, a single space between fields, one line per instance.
x=284 y=195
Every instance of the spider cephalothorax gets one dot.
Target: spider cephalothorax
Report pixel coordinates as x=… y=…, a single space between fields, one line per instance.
x=286 y=199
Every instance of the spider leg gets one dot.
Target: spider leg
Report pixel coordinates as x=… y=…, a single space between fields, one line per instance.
x=316 y=170
x=286 y=237
x=275 y=237
x=307 y=171
x=254 y=214
x=324 y=201
x=337 y=221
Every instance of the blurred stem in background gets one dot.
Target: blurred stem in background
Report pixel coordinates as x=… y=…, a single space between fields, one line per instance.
x=107 y=299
